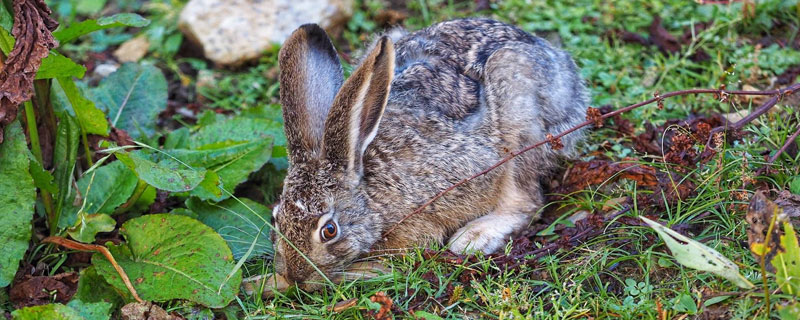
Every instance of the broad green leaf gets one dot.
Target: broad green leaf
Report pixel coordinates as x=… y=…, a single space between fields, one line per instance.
x=17 y=197
x=210 y=188
x=6 y=20
x=90 y=7
x=91 y=310
x=88 y=26
x=93 y=288
x=238 y=129
x=787 y=261
x=41 y=177
x=132 y=97
x=113 y=185
x=166 y=174
x=64 y=158
x=794 y=186
x=57 y=66
x=54 y=311
x=6 y=41
x=696 y=255
x=173 y=257
x=240 y=224
x=177 y=139
x=91 y=119
x=88 y=225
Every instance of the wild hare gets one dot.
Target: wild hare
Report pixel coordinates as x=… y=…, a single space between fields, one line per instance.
x=416 y=116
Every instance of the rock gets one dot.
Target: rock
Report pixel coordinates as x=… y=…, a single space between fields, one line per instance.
x=234 y=31
x=133 y=49
x=103 y=70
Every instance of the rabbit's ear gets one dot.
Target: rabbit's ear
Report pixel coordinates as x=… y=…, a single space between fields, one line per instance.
x=358 y=108
x=309 y=79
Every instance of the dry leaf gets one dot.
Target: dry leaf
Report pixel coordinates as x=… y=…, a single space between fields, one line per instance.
x=32 y=31
x=344 y=305
x=145 y=311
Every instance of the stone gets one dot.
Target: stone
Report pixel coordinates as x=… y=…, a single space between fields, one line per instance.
x=132 y=50
x=232 y=32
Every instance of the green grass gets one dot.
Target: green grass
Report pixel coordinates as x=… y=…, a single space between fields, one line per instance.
x=626 y=272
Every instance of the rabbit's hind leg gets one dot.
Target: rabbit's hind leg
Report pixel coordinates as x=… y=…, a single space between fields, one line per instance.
x=515 y=209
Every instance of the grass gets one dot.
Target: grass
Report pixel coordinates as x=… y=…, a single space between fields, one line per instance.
x=626 y=272
x=635 y=277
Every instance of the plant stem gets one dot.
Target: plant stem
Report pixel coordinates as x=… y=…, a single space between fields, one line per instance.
x=140 y=188
x=85 y=142
x=36 y=148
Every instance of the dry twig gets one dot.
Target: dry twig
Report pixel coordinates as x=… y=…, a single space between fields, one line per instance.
x=96 y=248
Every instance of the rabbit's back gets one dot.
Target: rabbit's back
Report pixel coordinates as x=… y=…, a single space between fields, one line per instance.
x=440 y=68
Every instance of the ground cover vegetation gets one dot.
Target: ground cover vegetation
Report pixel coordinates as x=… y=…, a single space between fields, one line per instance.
x=166 y=167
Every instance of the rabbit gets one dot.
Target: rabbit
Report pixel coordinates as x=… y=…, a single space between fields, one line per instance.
x=419 y=113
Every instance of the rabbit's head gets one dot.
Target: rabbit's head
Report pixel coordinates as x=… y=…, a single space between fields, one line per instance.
x=329 y=123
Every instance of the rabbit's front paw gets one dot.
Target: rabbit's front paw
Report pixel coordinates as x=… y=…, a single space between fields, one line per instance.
x=487 y=233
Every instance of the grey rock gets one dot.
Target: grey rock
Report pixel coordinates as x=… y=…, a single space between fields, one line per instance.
x=235 y=31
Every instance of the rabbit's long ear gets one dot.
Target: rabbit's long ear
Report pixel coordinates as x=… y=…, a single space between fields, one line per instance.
x=310 y=77
x=358 y=108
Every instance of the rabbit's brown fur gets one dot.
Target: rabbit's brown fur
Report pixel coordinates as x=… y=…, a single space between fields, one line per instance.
x=363 y=154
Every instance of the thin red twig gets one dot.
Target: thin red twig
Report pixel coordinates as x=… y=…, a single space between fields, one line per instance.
x=785 y=145
x=776 y=94
x=96 y=248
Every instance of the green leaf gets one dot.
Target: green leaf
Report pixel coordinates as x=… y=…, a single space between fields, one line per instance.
x=91 y=310
x=93 y=288
x=6 y=20
x=113 y=185
x=90 y=7
x=787 y=261
x=696 y=255
x=238 y=129
x=173 y=257
x=426 y=315
x=91 y=119
x=57 y=66
x=17 y=197
x=55 y=311
x=794 y=186
x=6 y=41
x=790 y=312
x=88 y=26
x=166 y=174
x=132 y=97
x=239 y=223
x=64 y=158
x=88 y=225
x=42 y=178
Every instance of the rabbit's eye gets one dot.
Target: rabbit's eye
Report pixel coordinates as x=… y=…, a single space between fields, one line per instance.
x=328 y=231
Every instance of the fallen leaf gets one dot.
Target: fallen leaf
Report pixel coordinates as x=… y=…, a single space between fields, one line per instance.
x=344 y=305
x=145 y=311
x=759 y=216
x=662 y=38
x=790 y=203
x=133 y=49
x=32 y=31
x=695 y=255
x=39 y=290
